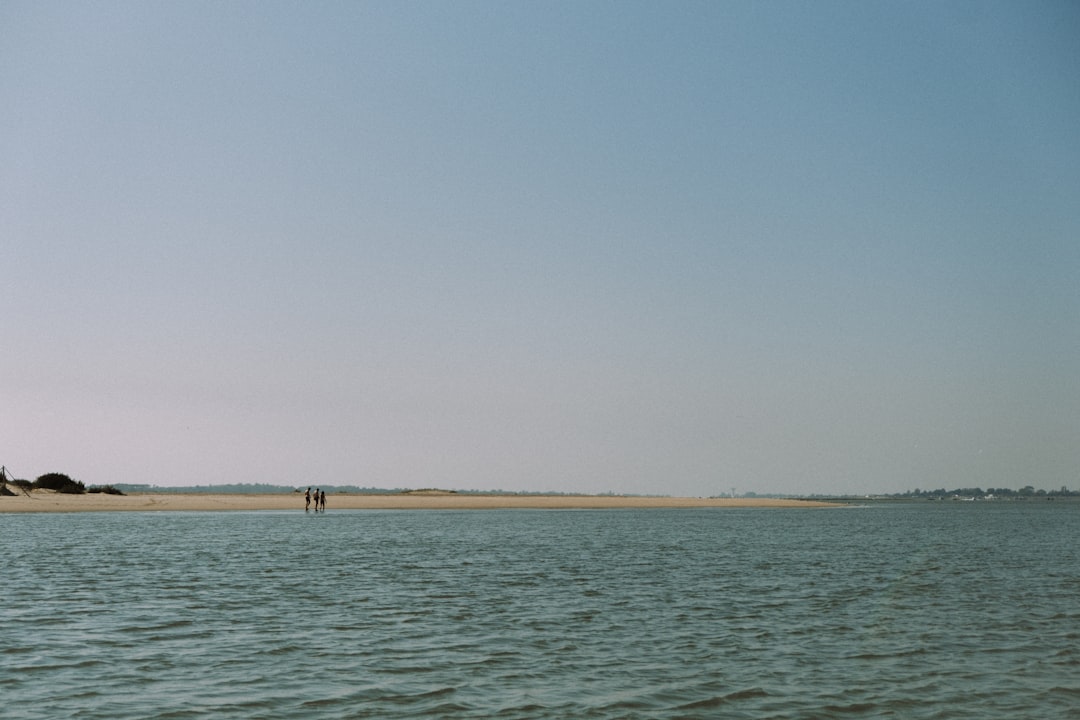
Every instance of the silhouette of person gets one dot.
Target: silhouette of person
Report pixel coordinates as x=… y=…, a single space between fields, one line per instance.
x=307 y=500
x=322 y=500
x=316 y=499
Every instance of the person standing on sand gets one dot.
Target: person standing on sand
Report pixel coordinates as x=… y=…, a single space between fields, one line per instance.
x=316 y=499
x=307 y=499
x=322 y=500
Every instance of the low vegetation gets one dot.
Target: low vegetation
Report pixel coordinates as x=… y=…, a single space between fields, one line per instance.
x=61 y=483
x=106 y=489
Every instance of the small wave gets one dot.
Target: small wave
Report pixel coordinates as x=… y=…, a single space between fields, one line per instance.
x=852 y=708
x=888 y=655
x=526 y=710
x=1067 y=691
x=719 y=700
x=437 y=692
x=443 y=710
x=77 y=665
x=16 y=650
x=177 y=715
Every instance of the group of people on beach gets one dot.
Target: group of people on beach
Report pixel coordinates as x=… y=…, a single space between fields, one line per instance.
x=319 y=497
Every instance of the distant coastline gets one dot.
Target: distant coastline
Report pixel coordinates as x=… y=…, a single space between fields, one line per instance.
x=166 y=500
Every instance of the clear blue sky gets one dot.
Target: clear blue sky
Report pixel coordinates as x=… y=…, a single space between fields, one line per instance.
x=670 y=248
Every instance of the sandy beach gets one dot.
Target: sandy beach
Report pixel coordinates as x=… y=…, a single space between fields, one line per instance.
x=47 y=501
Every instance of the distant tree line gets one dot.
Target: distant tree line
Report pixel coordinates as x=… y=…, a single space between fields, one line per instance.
x=228 y=488
x=261 y=488
x=1025 y=492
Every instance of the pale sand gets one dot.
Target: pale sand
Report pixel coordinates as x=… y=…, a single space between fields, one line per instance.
x=47 y=501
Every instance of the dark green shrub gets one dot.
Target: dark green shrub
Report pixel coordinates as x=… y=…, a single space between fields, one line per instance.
x=60 y=483
x=107 y=489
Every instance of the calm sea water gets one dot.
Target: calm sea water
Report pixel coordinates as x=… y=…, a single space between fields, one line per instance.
x=958 y=610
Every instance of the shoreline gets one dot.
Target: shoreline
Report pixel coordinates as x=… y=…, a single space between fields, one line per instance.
x=41 y=501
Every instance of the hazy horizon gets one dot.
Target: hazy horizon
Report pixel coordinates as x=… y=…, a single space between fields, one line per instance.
x=231 y=488
x=641 y=248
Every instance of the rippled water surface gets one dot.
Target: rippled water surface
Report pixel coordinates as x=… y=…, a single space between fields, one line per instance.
x=958 y=610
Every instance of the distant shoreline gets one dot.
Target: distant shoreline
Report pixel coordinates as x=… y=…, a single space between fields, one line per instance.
x=40 y=501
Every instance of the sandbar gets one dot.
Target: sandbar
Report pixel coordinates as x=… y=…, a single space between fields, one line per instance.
x=47 y=501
